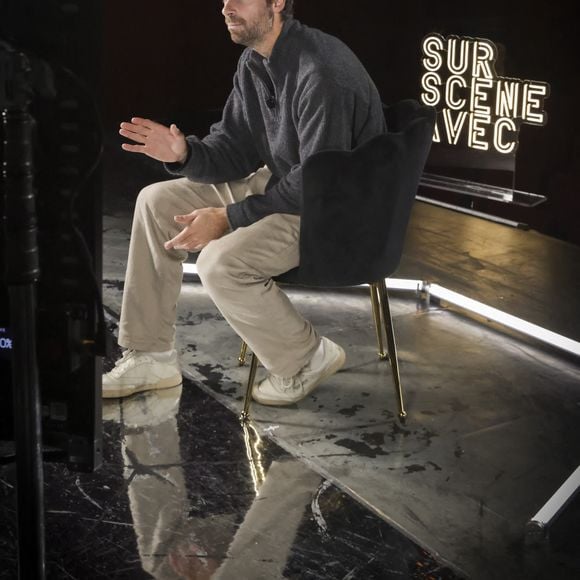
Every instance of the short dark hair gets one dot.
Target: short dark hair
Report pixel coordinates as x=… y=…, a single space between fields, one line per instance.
x=288 y=11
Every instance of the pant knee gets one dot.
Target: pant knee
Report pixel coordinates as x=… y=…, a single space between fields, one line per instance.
x=151 y=197
x=211 y=266
x=218 y=268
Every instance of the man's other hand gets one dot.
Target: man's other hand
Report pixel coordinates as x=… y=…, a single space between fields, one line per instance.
x=163 y=143
x=200 y=227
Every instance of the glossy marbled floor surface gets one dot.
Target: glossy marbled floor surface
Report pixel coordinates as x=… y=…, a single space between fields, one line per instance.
x=186 y=492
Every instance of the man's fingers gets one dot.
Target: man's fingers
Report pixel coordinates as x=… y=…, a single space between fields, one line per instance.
x=133 y=148
x=147 y=123
x=188 y=245
x=137 y=129
x=182 y=240
x=188 y=218
x=133 y=136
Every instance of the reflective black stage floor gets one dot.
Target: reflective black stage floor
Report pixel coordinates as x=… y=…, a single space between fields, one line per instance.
x=185 y=492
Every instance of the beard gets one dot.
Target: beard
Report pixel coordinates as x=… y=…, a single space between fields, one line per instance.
x=251 y=33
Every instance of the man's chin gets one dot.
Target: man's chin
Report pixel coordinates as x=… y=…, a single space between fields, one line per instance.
x=235 y=35
x=238 y=38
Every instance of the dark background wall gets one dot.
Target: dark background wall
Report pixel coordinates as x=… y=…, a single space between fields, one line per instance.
x=174 y=60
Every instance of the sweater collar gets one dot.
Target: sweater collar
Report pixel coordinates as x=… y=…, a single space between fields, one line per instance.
x=283 y=41
x=281 y=45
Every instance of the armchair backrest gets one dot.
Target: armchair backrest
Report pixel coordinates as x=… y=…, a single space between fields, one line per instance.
x=357 y=204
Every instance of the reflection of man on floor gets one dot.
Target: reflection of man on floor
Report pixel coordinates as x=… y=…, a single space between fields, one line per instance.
x=172 y=541
x=296 y=91
x=170 y=544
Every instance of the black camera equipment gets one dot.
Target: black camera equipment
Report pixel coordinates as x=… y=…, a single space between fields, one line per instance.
x=21 y=273
x=61 y=42
x=52 y=327
x=70 y=330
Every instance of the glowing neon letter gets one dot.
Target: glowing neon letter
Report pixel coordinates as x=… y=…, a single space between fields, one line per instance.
x=508 y=92
x=432 y=49
x=484 y=53
x=476 y=130
x=480 y=95
x=450 y=98
x=533 y=103
x=436 y=136
x=457 y=47
x=500 y=143
x=453 y=129
x=431 y=82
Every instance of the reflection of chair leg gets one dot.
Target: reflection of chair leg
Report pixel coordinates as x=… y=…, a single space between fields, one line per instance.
x=392 y=347
x=377 y=318
x=248 y=399
x=254 y=445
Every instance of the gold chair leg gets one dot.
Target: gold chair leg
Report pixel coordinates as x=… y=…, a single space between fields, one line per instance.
x=388 y=322
x=377 y=318
x=243 y=352
x=245 y=416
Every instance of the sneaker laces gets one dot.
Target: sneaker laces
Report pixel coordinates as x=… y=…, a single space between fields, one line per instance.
x=285 y=384
x=124 y=364
x=128 y=353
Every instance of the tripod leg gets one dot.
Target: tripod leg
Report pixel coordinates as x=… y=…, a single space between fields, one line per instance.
x=21 y=274
x=27 y=431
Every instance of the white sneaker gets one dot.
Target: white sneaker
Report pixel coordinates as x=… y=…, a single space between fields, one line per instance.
x=276 y=390
x=139 y=371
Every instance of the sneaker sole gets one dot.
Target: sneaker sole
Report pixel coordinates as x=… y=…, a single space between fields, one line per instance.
x=333 y=368
x=128 y=390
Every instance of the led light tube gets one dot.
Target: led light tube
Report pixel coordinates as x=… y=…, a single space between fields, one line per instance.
x=554 y=506
x=503 y=318
x=189 y=268
x=402 y=284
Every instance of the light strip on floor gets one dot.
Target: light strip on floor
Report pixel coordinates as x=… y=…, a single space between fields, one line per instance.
x=189 y=268
x=392 y=283
x=402 y=284
x=474 y=306
x=554 y=506
x=505 y=319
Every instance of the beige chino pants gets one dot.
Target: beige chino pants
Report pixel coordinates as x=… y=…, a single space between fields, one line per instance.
x=236 y=271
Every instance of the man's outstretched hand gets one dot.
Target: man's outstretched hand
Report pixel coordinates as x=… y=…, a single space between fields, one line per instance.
x=163 y=143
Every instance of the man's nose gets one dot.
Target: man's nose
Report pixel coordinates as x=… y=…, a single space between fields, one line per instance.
x=228 y=7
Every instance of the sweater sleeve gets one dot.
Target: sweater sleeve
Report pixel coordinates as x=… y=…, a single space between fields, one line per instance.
x=325 y=120
x=227 y=153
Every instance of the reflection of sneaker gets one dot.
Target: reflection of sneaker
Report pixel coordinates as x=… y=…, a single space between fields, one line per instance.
x=276 y=390
x=144 y=410
x=140 y=371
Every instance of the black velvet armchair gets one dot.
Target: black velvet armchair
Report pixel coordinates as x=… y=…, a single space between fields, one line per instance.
x=356 y=208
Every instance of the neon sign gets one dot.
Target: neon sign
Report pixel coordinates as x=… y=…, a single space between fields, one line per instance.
x=477 y=107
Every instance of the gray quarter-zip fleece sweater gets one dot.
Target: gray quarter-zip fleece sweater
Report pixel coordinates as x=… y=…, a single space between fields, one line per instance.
x=311 y=94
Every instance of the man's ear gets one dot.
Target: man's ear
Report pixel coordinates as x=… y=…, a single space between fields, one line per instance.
x=278 y=5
